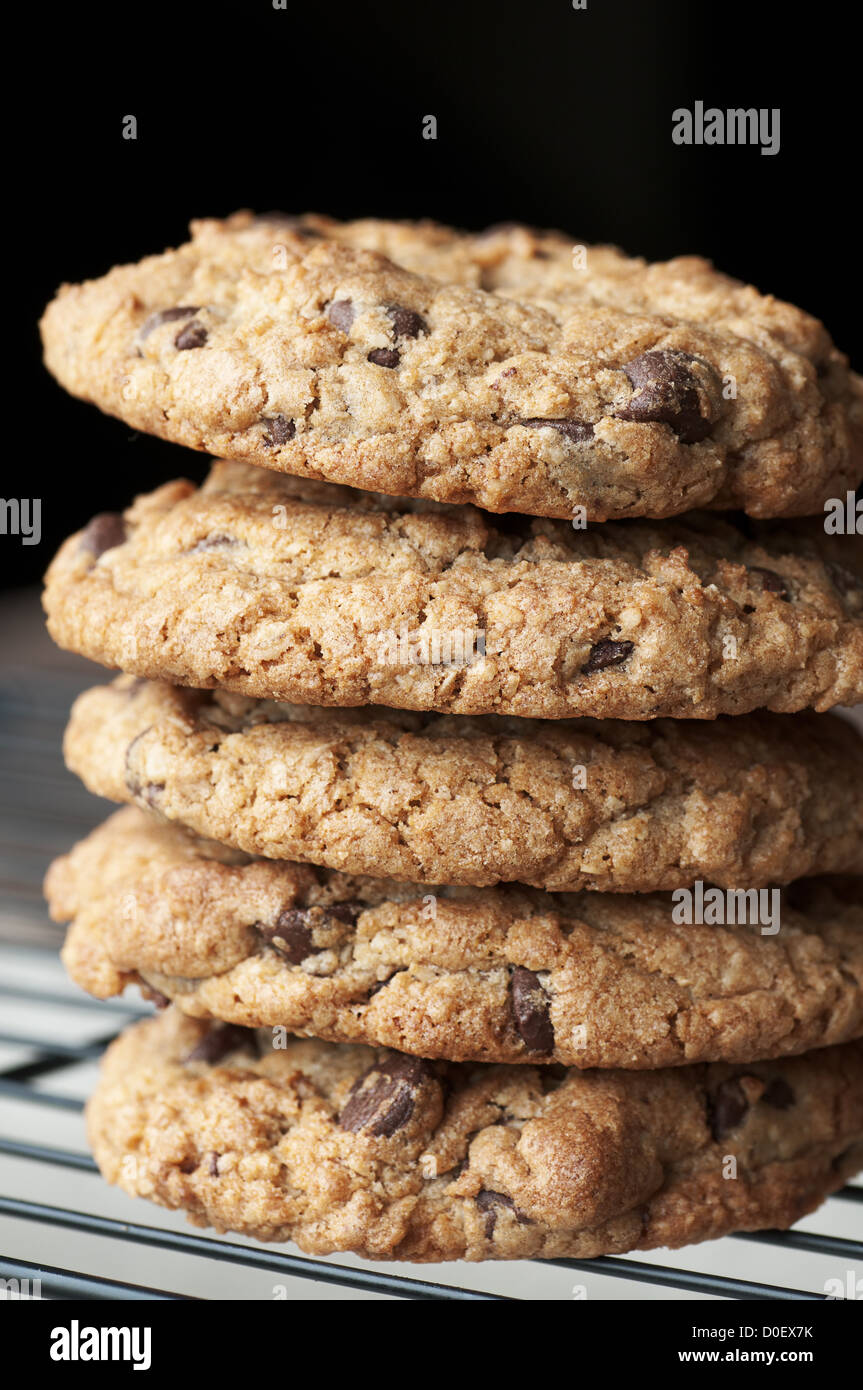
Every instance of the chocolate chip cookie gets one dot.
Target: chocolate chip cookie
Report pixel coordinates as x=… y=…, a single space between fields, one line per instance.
x=483 y=975
x=347 y=1148
x=281 y=588
x=436 y=799
x=498 y=369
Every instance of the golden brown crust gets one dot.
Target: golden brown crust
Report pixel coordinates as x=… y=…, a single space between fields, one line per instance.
x=340 y=1148
x=282 y=589
x=441 y=383
x=435 y=799
x=485 y=975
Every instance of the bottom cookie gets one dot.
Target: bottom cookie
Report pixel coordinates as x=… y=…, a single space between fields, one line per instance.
x=348 y=1148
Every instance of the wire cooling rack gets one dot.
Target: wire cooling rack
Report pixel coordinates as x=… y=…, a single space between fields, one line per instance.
x=62 y=1226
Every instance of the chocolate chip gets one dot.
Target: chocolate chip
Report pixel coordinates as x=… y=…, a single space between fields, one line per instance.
x=382 y=1100
x=771 y=582
x=491 y=1202
x=406 y=322
x=104 y=532
x=384 y=357
x=213 y=1164
x=194 y=335
x=182 y=311
x=279 y=430
x=346 y=912
x=221 y=1039
x=668 y=391
x=292 y=933
x=726 y=1108
x=187 y=1165
x=341 y=314
x=577 y=431
x=530 y=1007
x=607 y=653
x=779 y=1094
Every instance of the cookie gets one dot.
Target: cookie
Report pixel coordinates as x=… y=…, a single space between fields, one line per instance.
x=343 y=1148
x=436 y=799
x=284 y=589
x=482 y=975
x=503 y=373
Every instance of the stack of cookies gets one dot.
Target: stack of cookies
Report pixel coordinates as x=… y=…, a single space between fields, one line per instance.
x=486 y=842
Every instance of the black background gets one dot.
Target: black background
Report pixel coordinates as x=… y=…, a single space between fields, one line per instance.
x=545 y=115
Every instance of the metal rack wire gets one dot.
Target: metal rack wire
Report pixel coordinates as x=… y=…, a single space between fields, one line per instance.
x=51 y=1037
x=24 y=1082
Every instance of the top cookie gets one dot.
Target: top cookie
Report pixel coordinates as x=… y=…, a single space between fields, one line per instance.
x=485 y=368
